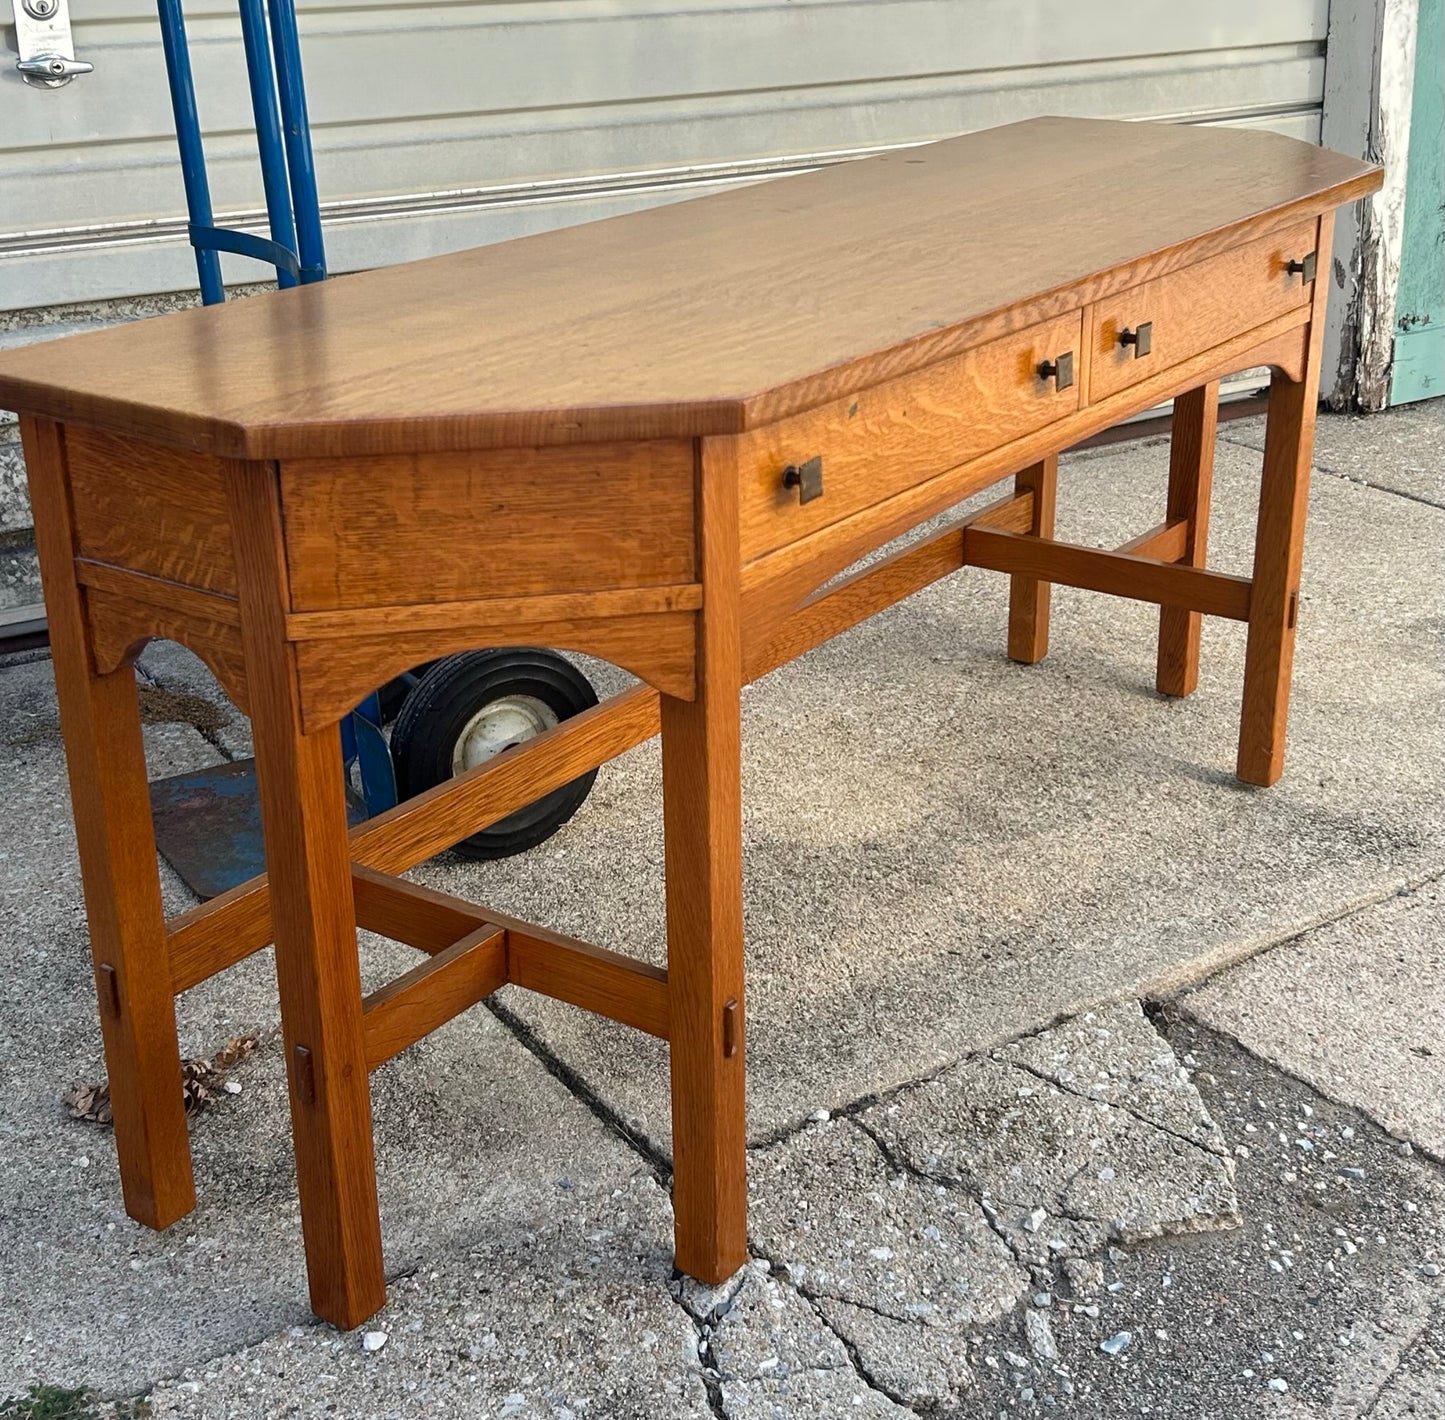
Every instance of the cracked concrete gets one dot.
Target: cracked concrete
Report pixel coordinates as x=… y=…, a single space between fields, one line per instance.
x=1062 y=1172
x=899 y=1269
x=1325 y=1286
x=935 y=1211
x=1380 y=1044
x=776 y=1358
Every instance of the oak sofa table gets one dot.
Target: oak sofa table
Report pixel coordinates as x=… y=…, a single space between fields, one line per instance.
x=657 y=439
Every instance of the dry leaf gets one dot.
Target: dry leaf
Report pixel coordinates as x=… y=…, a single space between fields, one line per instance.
x=200 y=1079
x=90 y=1102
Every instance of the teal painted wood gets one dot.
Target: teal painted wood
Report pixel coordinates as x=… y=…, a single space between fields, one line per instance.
x=1419 y=367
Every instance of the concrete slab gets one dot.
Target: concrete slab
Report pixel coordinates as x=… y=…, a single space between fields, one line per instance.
x=1402 y=450
x=1062 y=1168
x=566 y=1316
x=484 y=1159
x=1354 y=1008
x=944 y=850
x=775 y=1358
x=1325 y=1304
x=914 y=1223
x=898 y=1266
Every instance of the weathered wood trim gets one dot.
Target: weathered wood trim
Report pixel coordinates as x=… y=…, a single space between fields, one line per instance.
x=1369 y=88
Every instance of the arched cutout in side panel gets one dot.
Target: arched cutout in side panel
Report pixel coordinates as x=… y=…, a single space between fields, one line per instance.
x=120 y=628
x=337 y=672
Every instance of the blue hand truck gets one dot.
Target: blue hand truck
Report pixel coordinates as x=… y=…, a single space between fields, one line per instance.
x=446 y=717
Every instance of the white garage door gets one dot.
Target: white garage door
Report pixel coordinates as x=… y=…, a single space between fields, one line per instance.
x=443 y=126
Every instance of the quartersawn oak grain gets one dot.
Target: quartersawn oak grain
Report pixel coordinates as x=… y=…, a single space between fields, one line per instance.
x=885 y=440
x=1197 y=308
x=703 y=317
x=150 y=509
x=554 y=520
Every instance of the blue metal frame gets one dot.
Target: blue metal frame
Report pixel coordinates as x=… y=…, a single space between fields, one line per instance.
x=294 y=248
x=288 y=170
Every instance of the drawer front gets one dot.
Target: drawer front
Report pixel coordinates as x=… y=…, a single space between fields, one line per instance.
x=882 y=441
x=397 y=530
x=1197 y=308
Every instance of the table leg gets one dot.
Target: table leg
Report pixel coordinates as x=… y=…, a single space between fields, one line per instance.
x=303 y=817
x=1028 y=603
x=702 y=830
x=705 y=983
x=1191 y=477
x=100 y=719
x=1274 y=599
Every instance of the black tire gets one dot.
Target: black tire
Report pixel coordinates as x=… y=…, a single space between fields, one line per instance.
x=449 y=697
x=393 y=694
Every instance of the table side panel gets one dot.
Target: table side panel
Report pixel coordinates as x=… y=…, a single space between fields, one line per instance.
x=403 y=530
x=1197 y=308
x=878 y=442
x=151 y=509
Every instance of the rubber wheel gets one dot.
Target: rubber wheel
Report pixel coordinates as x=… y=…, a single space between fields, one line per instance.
x=392 y=695
x=468 y=707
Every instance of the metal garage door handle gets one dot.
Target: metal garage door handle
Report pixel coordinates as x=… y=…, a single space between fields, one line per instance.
x=47 y=52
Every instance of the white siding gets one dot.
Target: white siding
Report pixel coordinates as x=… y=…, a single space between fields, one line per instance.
x=443 y=126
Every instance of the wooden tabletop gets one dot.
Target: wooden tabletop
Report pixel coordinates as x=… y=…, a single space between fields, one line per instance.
x=702 y=317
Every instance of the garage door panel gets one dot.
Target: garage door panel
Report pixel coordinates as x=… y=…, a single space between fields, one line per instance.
x=544 y=112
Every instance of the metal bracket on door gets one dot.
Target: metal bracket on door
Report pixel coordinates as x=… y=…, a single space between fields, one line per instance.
x=47 y=52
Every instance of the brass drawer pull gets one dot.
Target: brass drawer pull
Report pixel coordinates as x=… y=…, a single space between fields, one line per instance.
x=1060 y=371
x=1141 y=338
x=807 y=478
x=1304 y=269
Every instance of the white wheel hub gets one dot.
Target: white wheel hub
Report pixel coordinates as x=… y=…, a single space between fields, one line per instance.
x=499 y=725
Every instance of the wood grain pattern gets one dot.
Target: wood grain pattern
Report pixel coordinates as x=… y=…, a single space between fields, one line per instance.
x=1191 y=478
x=606 y=983
x=518 y=522
x=406 y=912
x=695 y=318
x=878 y=442
x=133 y=586
x=303 y=815
x=1279 y=553
x=1198 y=308
x=151 y=509
x=658 y=648
x=775 y=584
x=105 y=754
x=1028 y=598
x=120 y=627
x=1118 y=574
x=124 y=609
x=864 y=593
x=702 y=844
x=429 y=995
x=492 y=614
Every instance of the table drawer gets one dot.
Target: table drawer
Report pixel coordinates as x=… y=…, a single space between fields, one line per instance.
x=882 y=441
x=1195 y=309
